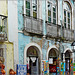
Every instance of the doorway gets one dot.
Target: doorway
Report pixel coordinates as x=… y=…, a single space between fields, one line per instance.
x=33 y=61
x=67 y=62
x=52 y=57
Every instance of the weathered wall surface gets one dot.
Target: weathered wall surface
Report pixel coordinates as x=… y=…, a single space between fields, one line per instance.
x=44 y=43
x=3 y=7
x=20 y=14
x=10 y=57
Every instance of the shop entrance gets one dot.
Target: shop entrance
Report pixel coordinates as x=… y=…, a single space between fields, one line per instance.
x=33 y=61
x=52 y=57
x=67 y=62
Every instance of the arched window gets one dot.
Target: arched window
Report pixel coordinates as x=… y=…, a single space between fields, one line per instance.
x=52 y=12
x=67 y=15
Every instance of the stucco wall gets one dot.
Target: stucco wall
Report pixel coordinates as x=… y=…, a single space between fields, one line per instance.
x=20 y=14
x=3 y=7
x=10 y=57
x=45 y=44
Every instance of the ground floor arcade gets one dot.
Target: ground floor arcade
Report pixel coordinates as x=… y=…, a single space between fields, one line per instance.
x=54 y=64
x=45 y=56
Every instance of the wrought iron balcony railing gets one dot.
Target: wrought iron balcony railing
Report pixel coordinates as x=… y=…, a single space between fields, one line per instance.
x=32 y=25
x=3 y=28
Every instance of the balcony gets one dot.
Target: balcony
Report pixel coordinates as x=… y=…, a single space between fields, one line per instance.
x=3 y=28
x=32 y=25
x=51 y=29
x=67 y=34
x=73 y=35
x=54 y=30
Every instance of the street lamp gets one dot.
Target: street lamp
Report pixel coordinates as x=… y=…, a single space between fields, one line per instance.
x=73 y=48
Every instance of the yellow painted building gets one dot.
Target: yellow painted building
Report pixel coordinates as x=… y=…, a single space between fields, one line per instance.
x=6 y=47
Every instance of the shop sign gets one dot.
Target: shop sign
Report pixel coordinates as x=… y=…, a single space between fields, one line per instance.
x=45 y=67
x=62 y=66
x=21 y=69
x=50 y=60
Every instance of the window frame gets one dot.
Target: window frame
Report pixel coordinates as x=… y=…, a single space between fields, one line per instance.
x=27 y=8
x=67 y=11
x=31 y=8
x=52 y=5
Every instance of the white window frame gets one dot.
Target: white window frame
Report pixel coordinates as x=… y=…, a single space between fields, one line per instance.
x=67 y=17
x=52 y=5
x=31 y=9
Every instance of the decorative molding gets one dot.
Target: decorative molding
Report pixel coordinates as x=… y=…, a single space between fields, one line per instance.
x=50 y=49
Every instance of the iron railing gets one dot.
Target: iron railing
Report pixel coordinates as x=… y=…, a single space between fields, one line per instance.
x=3 y=28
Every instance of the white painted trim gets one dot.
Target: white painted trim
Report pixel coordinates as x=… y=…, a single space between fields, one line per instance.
x=68 y=49
x=19 y=31
x=69 y=2
x=24 y=7
x=40 y=52
x=52 y=4
x=50 y=49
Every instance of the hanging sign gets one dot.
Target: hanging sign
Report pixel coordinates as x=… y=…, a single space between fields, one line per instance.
x=50 y=60
x=21 y=69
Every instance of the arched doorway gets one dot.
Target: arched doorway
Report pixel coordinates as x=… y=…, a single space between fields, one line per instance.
x=52 y=57
x=32 y=58
x=68 y=60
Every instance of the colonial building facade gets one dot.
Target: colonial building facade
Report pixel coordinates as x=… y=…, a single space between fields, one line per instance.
x=45 y=34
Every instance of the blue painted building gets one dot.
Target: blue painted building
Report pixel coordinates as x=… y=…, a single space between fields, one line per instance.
x=45 y=33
